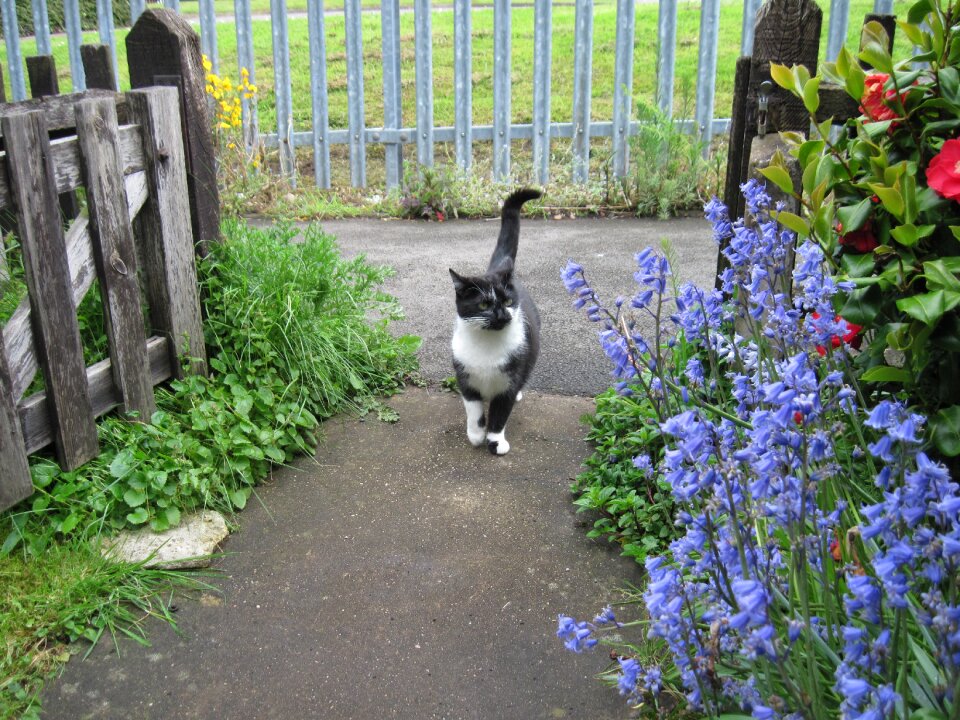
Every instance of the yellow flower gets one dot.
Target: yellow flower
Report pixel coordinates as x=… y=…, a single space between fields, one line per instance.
x=207 y=65
x=231 y=146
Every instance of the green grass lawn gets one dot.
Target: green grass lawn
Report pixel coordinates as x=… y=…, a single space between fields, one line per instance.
x=522 y=61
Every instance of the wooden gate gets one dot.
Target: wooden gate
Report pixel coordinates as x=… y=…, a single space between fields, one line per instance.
x=136 y=240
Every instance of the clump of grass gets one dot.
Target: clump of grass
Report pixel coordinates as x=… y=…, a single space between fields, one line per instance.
x=72 y=593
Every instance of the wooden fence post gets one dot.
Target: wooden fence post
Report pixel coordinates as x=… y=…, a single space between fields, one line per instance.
x=164 y=228
x=161 y=44
x=16 y=484
x=113 y=250
x=42 y=72
x=53 y=312
x=786 y=32
x=98 y=67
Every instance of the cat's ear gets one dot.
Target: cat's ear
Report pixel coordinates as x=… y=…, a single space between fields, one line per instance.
x=458 y=282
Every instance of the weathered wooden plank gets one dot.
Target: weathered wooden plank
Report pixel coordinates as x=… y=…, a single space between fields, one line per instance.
x=66 y=161
x=17 y=333
x=736 y=150
x=111 y=236
x=47 y=274
x=104 y=394
x=163 y=43
x=98 y=66
x=58 y=109
x=15 y=483
x=42 y=73
x=164 y=230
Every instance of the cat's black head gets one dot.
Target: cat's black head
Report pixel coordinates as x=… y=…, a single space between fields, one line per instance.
x=488 y=301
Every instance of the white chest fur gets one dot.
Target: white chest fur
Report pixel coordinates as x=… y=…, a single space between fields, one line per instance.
x=484 y=353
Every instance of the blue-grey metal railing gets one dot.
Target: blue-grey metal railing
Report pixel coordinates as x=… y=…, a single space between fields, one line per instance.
x=502 y=133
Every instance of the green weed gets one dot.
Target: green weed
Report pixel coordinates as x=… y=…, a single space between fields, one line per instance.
x=72 y=593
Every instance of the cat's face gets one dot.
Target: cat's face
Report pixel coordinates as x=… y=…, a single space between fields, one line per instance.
x=488 y=301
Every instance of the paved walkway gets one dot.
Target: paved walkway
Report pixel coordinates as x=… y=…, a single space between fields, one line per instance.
x=403 y=573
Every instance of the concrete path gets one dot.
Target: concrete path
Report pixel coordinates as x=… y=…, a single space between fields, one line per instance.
x=403 y=573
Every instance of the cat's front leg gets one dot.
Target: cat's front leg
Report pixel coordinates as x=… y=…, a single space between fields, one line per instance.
x=500 y=408
x=473 y=406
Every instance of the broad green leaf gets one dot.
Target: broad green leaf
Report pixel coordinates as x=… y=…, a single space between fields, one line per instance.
x=852 y=217
x=885 y=373
x=854 y=82
x=244 y=405
x=779 y=177
x=173 y=516
x=122 y=464
x=793 y=222
x=862 y=306
x=69 y=523
x=858 y=265
x=890 y=197
x=782 y=76
x=918 y=11
x=134 y=498
x=946 y=430
x=905 y=235
x=877 y=129
x=138 y=516
x=876 y=56
x=939 y=276
x=913 y=33
x=811 y=95
x=809 y=150
x=955 y=229
x=928 y=307
x=239 y=498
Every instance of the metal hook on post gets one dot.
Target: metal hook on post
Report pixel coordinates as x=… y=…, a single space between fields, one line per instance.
x=763 y=101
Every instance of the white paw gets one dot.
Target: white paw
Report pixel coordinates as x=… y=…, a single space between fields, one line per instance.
x=497 y=444
x=519 y=395
x=476 y=435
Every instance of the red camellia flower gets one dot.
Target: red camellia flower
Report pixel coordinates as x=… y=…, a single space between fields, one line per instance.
x=851 y=337
x=862 y=240
x=871 y=104
x=943 y=172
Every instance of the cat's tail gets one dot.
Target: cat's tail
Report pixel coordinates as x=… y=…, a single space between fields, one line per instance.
x=510 y=226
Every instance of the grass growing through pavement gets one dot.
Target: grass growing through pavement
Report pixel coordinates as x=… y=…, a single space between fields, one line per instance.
x=67 y=594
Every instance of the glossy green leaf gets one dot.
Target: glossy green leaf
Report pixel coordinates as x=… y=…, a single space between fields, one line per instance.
x=940 y=277
x=793 y=222
x=811 y=95
x=138 y=516
x=782 y=76
x=928 y=307
x=905 y=234
x=885 y=373
x=890 y=197
x=852 y=217
x=918 y=11
x=862 y=306
x=946 y=430
x=858 y=265
x=779 y=177
x=854 y=82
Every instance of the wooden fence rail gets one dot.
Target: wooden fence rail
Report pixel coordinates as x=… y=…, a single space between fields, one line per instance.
x=128 y=153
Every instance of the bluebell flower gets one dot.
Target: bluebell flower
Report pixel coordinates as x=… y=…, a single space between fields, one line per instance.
x=628 y=676
x=605 y=616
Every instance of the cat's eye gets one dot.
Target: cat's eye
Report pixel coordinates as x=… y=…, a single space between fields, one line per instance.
x=484 y=306
x=508 y=301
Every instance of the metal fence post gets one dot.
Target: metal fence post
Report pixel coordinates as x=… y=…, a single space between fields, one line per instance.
x=281 y=82
x=41 y=27
x=107 y=36
x=623 y=85
x=883 y=7
x=245 y=59
x=750 y=8
x=355 y=120
x=501 y=89
x=318 y=94
x=136 y=10
x=582 y=62
x=172 y=5
x=707 y=70
x=11 y=35
x=208 y=34
x=390 y=34
x=71 y=18
x=666 y=54
x=424 y=80
x=837 y=30
x=542 y=52
x=462 y=84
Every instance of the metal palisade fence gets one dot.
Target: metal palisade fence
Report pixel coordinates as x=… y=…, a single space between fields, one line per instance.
x=547 y=123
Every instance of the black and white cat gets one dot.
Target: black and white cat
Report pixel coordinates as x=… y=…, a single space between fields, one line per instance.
x=496 y=338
